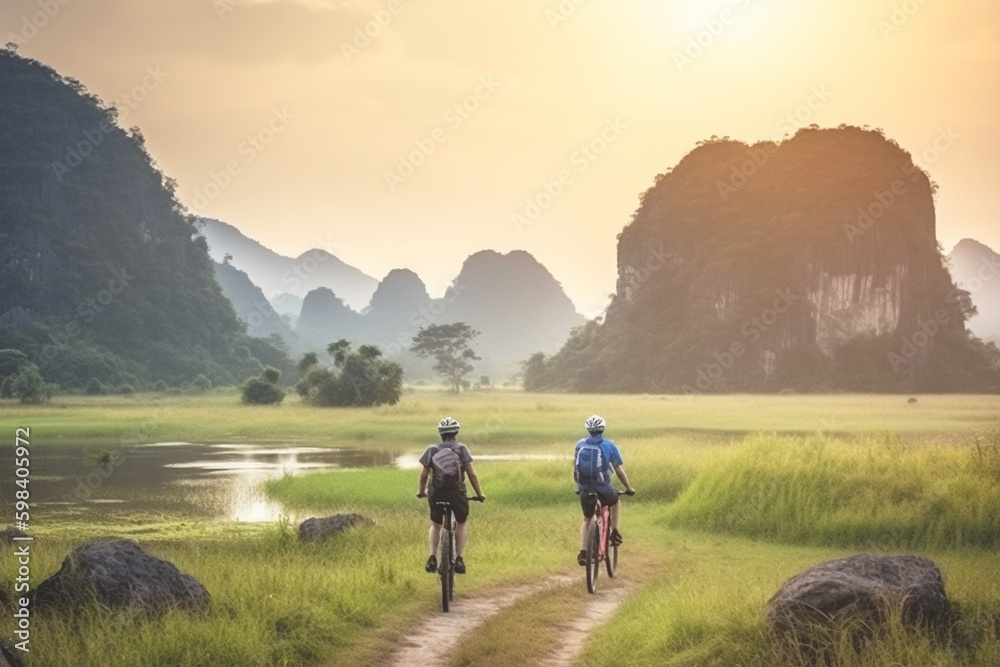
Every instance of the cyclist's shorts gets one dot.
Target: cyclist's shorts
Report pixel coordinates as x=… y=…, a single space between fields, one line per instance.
x=609 y=498
x=457 y=498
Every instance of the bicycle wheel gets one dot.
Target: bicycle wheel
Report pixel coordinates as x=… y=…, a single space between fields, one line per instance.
x=593 y=564
x=446 y=565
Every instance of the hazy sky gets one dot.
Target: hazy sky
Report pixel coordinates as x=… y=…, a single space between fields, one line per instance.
x=418 y=143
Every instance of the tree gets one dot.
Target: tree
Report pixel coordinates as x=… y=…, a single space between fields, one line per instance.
x=309 y=359
x=361 y=378
x=264 y=390
x=448 y=344
x=29 y=386
x=534 y=372
x=11 y=361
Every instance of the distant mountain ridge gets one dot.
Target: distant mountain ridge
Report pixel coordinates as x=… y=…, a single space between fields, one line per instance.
x=511 y=299
x=276 y=274
x=976 y=269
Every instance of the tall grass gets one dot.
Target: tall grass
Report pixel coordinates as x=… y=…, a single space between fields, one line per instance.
x=872 y=493
x=704 y=608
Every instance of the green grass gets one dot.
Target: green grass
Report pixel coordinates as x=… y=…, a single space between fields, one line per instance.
x=869 y=493
x=513 y=421
x=736 y=494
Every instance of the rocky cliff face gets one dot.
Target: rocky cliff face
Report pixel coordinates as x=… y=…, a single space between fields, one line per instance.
x=809 y=264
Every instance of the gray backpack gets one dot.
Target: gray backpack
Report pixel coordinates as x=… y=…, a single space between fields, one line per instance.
x=447 y=467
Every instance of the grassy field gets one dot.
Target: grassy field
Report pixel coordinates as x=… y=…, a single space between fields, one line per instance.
x=736 y=494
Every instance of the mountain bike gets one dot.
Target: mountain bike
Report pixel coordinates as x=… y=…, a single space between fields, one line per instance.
x=599 y=547
x=446 y=552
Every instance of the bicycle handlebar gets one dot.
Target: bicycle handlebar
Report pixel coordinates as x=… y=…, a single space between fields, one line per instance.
x=478 y=499
x=620 y=493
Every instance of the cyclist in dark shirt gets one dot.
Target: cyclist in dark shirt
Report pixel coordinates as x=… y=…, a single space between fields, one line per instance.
x=448 y=429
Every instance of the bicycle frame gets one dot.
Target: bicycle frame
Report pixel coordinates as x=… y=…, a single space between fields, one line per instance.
x=598 y=541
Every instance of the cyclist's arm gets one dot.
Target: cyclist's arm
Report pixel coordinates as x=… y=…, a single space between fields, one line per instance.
x=473 y=479
x=422 y=484
x=620 y=471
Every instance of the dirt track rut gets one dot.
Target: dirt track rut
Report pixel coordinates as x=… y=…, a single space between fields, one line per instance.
x=429 y=644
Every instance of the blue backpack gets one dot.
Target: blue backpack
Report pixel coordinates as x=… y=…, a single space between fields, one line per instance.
x=591 y=468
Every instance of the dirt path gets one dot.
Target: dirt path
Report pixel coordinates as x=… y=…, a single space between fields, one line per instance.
x=429 y=643
x=575 y=633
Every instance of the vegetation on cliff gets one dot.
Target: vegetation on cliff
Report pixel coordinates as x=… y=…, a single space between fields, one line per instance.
x=103 y=275
x=808 y=265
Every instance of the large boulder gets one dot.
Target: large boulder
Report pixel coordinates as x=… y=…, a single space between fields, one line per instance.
x=119 y=574
x=859 y=592
x=315 y=529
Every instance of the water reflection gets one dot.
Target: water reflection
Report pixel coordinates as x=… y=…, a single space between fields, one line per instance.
x=412 y=461
x=222 y=481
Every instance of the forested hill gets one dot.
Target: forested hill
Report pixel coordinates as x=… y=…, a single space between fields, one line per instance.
x=102 y=276
x=807 y=265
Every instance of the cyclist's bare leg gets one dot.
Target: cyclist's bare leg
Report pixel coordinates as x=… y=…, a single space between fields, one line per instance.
x=461 y=535
x=433 y=536
x=583 y=533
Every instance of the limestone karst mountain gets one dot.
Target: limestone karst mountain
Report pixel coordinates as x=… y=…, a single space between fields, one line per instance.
x=276 y=274
x=976 y=269
x=810 y=265
x=103 y=277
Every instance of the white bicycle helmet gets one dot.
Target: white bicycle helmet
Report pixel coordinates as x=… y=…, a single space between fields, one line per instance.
x=595 y=424
x=448 y=425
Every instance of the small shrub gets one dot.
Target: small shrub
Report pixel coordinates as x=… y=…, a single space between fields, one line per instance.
x=160 y=386
x=126 y=390
x=258 y=391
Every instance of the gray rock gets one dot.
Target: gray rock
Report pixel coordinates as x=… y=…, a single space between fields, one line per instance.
x=119 y=574
x=9 y=656
x=858 y=592
x=315 y=529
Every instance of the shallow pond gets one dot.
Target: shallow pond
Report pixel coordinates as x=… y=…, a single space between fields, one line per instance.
x=180 y=479
x=217 y=481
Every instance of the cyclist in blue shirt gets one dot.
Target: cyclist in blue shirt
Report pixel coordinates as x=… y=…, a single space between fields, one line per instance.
x=610 y=459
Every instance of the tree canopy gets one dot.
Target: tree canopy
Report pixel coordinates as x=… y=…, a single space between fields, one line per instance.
x=448 y=345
